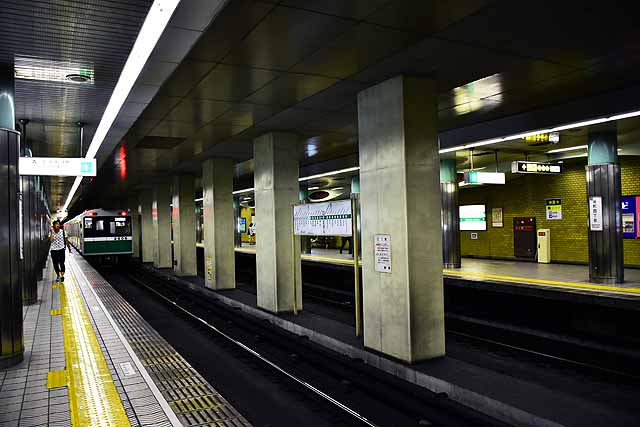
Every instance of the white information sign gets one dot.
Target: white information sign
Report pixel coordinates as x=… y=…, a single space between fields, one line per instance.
x=323 y=219
x=57 y=166
x=595 y=213
x=383 y=253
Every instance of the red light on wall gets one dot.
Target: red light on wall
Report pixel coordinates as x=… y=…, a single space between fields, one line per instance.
x=91 y=213
x=123 y=213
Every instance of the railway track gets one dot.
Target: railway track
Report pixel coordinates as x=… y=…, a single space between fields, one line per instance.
x=346 y=391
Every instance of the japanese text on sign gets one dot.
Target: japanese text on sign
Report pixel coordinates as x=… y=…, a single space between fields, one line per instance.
x=553 y=209
x=382 y=253
x=57 y=166
x=323 y=219
x=595 y=213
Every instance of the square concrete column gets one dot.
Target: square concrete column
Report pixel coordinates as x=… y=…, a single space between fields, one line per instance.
x=279 y=282
x=400 y=208
x=162 y=257
x=219 y=224
x=148 y=233
x=134 y=211
x=184 y=226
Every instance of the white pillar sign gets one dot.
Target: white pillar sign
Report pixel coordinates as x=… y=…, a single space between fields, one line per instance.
x=383 y=253
x=57 y=166
x=595 y=213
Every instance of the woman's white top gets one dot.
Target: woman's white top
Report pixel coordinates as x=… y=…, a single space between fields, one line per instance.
x=58 y=240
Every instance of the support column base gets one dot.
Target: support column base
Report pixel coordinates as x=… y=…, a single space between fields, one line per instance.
x=11 y=360
x=451 y=266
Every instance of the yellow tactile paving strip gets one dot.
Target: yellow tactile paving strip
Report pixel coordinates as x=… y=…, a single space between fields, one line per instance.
x=525 y=280
x=543 y=282
x=93 y=398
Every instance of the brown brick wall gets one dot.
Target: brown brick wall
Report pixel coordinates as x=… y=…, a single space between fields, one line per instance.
x=525 y=196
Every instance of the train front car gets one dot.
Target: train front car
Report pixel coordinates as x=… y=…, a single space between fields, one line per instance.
x=102 y=234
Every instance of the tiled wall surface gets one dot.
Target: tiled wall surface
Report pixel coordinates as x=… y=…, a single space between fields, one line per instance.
x=525 y=196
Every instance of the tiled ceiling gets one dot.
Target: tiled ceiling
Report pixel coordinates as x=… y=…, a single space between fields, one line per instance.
x=297 y=65
x=95 y=34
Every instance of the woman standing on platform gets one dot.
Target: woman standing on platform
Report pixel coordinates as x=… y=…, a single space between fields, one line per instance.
x=59 y=243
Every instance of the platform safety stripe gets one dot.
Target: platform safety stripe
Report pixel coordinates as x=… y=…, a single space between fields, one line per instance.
x=93 y=398
x=544 y=282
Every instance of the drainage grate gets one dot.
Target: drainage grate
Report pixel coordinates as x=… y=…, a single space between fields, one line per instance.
x=191 y=397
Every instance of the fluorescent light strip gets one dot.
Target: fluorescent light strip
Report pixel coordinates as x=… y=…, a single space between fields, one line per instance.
x=154 y=24
x=322 y=175
x=536 y=132
x=560 y=150
x=246 y=190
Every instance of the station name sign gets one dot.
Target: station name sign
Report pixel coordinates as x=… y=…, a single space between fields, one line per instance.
x=536 y=168
x=57 y=166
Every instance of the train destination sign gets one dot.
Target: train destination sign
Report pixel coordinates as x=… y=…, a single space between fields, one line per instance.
x=536 y=167
x=57 y=166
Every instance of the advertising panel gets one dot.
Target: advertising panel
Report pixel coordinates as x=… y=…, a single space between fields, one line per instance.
x=631 y=217
x=473 y=218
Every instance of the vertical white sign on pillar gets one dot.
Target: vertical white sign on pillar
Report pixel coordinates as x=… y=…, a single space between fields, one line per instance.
x=383 y=253
x=595 y=213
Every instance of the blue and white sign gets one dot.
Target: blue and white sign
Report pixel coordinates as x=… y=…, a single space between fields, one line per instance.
x=57 y=166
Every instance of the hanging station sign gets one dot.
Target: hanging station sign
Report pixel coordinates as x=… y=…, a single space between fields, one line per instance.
x=536 y=168
x=475 y=177
x=57 y=166
x=553 y=208
x=323 y=219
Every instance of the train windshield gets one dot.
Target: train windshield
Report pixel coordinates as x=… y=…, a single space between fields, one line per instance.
x=107 y=226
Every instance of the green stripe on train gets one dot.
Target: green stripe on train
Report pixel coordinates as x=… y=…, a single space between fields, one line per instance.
x=109 y=246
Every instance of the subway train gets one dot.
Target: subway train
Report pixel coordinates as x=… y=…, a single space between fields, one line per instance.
x=101 y=232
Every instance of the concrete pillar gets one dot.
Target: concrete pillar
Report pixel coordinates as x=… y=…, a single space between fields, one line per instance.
x=604 y=188
x=11 y=334
x=162 y=257
x=134 y=212
x=279 y=281
x=219 y=224
x=450 y=214
x=237 y=234
x=148 y=233
x=184 y=226
x=400 y=209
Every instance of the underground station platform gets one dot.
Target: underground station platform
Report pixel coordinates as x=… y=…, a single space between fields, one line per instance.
x=319 y=213
x=90 y=359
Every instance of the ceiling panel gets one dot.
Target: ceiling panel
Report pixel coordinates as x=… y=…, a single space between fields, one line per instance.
x=350 y=53
x=228 y=83
x=235 y=21
x=284 y=37
x=197 y=112
x=184 y=77
x=95 y=35
x=289 y=89
x=357 y=9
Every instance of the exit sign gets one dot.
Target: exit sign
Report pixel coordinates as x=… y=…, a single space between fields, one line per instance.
x=536 y=168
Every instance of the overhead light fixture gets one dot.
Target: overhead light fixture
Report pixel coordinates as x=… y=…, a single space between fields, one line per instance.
x=313 y=188
x=198 y=200
x=322 y=175
x=537 y=131
x=561 y=150
x=47 y=70
x=154 y=24
x=338 y=188
x=246 y=190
